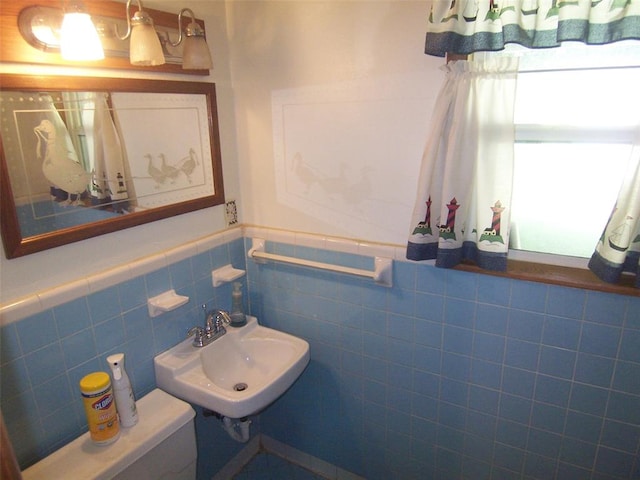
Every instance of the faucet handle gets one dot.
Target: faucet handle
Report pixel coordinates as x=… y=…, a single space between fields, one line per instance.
x=210 y=326
x=198 y=340
x=222 y=317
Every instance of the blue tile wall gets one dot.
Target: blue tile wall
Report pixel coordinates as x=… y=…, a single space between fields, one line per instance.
x=43 y=357
x=454 y=375
x=447 y=375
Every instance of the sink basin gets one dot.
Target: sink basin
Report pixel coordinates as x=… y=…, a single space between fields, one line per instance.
x=236 y=375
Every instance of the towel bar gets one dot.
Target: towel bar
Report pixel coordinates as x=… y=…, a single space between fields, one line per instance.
x=382 y=273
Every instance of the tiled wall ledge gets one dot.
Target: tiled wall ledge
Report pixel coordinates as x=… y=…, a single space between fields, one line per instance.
x=46 y=299
x=40 y=301
x=335 y=244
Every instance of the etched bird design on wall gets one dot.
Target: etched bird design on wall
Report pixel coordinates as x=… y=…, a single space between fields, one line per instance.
x=168 y=171
x=189 y=164
x=153 y=171
x=171 y=172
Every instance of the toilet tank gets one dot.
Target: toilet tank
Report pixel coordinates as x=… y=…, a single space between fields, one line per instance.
x=161 y=446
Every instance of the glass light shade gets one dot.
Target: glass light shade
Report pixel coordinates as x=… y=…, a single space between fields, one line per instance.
x=195 y=54
x=79 y=38
x=144 y=46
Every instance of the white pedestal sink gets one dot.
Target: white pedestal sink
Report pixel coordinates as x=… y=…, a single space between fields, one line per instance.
x=236 y=375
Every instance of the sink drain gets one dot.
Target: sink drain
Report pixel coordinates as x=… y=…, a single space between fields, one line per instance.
x=240 y=387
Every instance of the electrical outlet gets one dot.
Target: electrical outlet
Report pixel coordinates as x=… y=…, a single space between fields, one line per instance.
x=231 y=212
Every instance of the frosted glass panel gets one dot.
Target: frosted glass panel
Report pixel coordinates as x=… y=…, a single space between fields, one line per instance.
x=562 y=195
x=579 y=98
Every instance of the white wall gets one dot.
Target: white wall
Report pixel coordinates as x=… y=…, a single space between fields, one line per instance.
x=333 y=99
x=25 y=275
x=351 y=94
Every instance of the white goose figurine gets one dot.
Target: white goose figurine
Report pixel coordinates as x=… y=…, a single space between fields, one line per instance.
x=59 y=165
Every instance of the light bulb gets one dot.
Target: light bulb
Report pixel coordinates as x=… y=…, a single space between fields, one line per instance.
x=79 y=40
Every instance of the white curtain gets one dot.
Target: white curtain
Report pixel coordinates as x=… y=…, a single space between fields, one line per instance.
x=463 y=204
x=618 y=250
x=108 y=160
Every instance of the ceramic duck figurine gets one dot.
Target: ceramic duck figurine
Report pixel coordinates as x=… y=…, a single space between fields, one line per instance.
x=59 y=165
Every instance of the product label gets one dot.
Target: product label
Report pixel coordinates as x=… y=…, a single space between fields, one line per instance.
x=102 y=417
x=103 y=403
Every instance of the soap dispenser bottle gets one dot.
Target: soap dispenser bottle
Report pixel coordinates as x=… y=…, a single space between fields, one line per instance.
x=125 y=401
x=238 y=318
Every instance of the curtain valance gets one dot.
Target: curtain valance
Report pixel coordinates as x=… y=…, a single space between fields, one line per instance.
x=467 y=26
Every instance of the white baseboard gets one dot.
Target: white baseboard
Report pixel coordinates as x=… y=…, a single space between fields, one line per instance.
x=267 y=444
x=235 y=465
x=314 y=464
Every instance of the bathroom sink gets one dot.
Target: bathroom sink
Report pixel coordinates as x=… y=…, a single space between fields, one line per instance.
x=236 y=375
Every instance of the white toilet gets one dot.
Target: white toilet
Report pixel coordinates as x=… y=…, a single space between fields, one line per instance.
x=161 y=446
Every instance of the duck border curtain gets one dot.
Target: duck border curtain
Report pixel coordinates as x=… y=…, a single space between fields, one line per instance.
x=467 y=26
x=464 y=191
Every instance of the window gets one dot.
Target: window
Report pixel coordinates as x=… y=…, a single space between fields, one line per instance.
x=577 y=111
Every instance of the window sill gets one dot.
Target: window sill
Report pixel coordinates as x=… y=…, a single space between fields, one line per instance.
x=558 y=275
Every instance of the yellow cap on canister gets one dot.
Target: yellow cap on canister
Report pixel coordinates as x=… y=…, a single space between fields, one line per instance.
x=95 y=381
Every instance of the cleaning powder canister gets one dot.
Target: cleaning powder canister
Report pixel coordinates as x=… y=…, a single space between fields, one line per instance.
x=125 y=401
x=100 y=408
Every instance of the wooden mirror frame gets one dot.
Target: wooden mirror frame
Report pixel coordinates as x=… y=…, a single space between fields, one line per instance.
x=16 y=245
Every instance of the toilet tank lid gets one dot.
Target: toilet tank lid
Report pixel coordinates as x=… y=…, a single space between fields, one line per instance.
x=160 y=415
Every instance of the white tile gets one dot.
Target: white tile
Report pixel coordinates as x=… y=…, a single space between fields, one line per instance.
x=311 y=241
x=207 y=243
x=323 y=468
x=303 y=459
x=64 y=293
x=109 y=278
x=376 y=250
x=253 y=231
x=235 y=465
x=342 y=245
x=232 y=234
x=19 y=309
x=147 y=264
x=346 y=475
x=400 y=253
x=281 y=236
x=182 y=252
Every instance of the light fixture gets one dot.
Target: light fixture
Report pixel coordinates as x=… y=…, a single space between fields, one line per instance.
x=144 y=45
x=195 y=52
x=50 y=29
x=79 y=39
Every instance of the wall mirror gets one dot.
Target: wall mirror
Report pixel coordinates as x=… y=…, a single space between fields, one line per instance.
x=81 y=157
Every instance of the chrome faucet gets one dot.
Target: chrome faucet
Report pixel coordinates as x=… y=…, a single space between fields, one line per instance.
x=213 y=327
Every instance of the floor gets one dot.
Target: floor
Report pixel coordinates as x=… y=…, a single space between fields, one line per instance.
x=266 y=466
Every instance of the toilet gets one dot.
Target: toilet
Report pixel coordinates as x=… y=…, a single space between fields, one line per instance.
x=162 y=445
